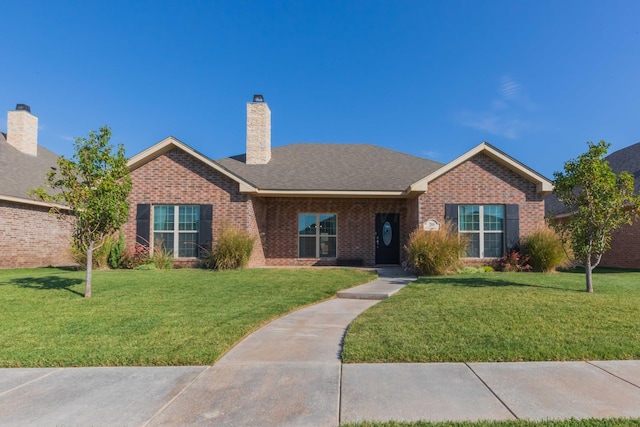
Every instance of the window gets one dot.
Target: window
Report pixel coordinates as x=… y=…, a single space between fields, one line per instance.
x=176 y=229
x=484 y=226
x=317 y=235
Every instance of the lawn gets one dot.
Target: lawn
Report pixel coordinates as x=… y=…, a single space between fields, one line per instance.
x=148 y=318
x=590 y=422
x=493 y=317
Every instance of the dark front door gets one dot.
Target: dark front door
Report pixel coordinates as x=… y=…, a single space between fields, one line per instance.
x=387 y=238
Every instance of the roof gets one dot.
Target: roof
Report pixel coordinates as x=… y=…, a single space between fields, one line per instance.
x=626 y=159
x=357 y=169
x=20 y=172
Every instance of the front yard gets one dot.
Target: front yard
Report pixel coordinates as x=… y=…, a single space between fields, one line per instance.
x=502 y=317
x=145 y=318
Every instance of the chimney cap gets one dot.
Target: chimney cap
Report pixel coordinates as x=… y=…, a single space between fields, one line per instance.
x=258 y=98
x=23 y=107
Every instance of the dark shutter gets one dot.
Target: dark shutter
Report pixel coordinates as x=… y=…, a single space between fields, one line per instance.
x=205 y=235
x=512 y=226
x=451 y=214
x=143 y=223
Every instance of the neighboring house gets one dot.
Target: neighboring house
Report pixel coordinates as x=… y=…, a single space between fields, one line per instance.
x=625 y=242
x=29 y=235
x=328 y=204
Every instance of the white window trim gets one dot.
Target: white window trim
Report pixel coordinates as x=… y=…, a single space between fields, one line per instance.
x=176 y=230
x=481 y=231
x=317 y=235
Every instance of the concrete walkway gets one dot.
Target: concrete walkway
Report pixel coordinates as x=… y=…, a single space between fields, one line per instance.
x=289 y=374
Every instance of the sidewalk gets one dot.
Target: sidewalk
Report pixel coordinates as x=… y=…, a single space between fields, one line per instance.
x=289 y=374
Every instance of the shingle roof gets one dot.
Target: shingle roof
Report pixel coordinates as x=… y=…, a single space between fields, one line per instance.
x=20 y=172
x=625 y=159
x=333 y=167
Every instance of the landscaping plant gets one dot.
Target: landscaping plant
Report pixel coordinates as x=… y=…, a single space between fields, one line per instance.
x=232 y=250
x=544 y=248
x=435 y=252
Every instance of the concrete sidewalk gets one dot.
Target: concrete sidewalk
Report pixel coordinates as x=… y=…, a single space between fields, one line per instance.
x=289 y=374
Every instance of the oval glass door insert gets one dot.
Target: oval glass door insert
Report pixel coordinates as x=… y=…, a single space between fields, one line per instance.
x=387 y=233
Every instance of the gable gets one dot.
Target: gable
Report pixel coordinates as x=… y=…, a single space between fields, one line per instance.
x=542 y=184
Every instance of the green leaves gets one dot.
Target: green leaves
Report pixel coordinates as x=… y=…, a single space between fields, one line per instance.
x=600 y=202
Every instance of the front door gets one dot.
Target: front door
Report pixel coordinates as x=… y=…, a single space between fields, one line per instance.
x=387 y=238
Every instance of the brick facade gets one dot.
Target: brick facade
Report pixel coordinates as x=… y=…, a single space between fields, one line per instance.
x=483 y=181
x=625 y=248
x=32 y=237
x=177 y=178
x=355 y=221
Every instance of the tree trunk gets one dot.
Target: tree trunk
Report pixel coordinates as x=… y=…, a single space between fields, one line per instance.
x=87 y=286
x=588 y=271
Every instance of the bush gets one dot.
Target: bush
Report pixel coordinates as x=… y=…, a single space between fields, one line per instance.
x=435 y=252
x=232 y=251
x=135 y=257
x=117 y=251
x=100 y=255
x=162 y=259
x=545 y=251
x=513 y=261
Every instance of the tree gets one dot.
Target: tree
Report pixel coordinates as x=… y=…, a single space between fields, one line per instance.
x=599 y=202
x=93 y=185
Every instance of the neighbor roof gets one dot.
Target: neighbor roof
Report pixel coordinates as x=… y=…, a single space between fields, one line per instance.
x=626 y=159
x=333 y=168
x=22 y=172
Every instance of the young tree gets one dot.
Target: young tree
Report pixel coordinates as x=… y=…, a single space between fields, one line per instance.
x=599 y=202
x=94 y=185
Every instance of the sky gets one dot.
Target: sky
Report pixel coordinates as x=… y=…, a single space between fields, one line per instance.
x=536 y=79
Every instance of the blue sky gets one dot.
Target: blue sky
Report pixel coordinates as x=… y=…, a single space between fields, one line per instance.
x=536 y=79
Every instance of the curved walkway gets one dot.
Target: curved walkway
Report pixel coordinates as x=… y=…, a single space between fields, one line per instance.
x=289 y=374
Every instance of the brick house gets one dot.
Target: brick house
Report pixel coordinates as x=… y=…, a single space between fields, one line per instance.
x=327 y=204
x=625 y=242
x=29 y=235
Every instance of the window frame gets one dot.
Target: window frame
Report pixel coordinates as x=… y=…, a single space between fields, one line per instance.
x=175 y=251
x=317 y=236
x=481 y=231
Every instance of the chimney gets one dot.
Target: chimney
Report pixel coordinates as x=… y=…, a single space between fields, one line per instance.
x=258 y=131
x=22 y=130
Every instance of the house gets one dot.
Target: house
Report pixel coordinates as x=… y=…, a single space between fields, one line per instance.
x=625 y=242
x=327 y=204
x=29 y=235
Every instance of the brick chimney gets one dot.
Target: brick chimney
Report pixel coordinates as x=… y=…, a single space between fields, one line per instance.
x=22 y=130
x=258 y=132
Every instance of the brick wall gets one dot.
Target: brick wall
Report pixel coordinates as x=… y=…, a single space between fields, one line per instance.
x=483 y=181
x=32 y=237
x=625 y=248
x=179 y=178
x=355 y=221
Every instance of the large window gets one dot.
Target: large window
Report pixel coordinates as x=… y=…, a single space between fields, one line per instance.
x=317 y=235
x=175 y=229
x=484 y=226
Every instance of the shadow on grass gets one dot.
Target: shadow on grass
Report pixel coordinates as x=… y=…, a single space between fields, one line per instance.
x=47 y=283
x=487 y=282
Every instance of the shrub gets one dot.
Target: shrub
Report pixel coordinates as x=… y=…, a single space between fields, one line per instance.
x=513 y=261
x=435 y=252
x=135 y=257
x=117 y=251
x=544 y=248
x=100 y=255
x=162 y=259
x=232 y=250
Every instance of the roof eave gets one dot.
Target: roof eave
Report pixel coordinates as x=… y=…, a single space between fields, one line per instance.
x=32 y=202
x=329 y=193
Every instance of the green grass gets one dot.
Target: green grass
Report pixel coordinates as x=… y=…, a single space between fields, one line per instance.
x=147 y=318
x=591 y=422
x=502 y=317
